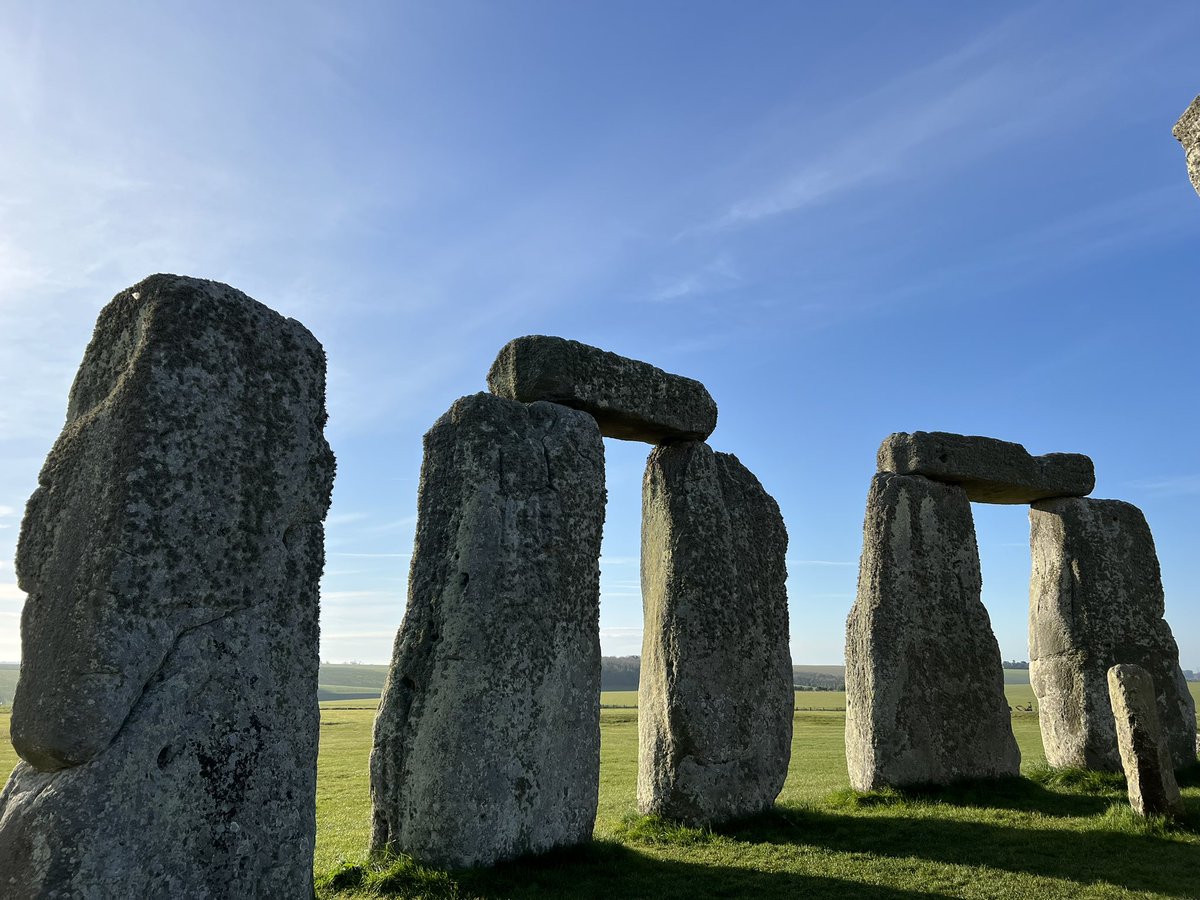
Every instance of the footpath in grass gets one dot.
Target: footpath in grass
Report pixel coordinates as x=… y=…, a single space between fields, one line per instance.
x=1045 y=835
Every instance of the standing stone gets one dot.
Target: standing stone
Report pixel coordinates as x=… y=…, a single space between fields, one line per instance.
x=715 y=699
x=1187 y=132
x=989 y=470
x=632 y=400
x=1095 y=600
x=487 y=740
x=924 y=684
x=1153 y=790
x=166 y=713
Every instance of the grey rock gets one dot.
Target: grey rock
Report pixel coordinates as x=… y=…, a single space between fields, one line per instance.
x=1095 y=600
x=166 y=713
x=632 y=400
x=487 y=739
x=924 y=684
x=1153 y=790
x=1187 y=132
x=715 y=698
x=989 y=470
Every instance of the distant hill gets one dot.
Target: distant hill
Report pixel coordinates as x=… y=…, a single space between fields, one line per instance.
x=350 y=682
x=617 y=673
x=355 y=682
x=8 y=682
x=819 y=678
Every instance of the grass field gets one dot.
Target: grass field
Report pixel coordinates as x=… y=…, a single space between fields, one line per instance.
x=1039 y=836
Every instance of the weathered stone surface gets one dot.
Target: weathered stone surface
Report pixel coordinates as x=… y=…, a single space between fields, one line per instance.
x=1153 y=790
x=487 y=739
x=167 y=708
x=989 y=470
x=924 y=684
x=1187 y=132
x=715 y=699
x=1095 y=600
x=632 y=400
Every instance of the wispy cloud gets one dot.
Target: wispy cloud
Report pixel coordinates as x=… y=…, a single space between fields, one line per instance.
x=374 y=555
x=1000 y=86
x=716 y=276
x=1180 y=484
x=358 y=635
x=821 y=562
x=346 y=518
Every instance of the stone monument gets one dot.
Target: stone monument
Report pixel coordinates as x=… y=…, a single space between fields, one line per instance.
x=166 y=715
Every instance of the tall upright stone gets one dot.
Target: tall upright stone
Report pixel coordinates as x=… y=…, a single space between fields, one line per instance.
x=715 y=699
x=166 y=713
x=1149 y=771
x=1187 y=132
x=924 y=684
x=487 y=739
x=1095 y=600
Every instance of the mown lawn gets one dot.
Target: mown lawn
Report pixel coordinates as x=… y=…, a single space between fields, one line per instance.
x=1039 y=836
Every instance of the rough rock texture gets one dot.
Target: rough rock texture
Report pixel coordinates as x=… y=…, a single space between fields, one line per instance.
x=715 y=699
x=1187 y=132
x=924 y=684
x=1095 y=600
x=167 y=705
x=631 y=400
x=989 y=470
x=487 y=740
x=1153 y=790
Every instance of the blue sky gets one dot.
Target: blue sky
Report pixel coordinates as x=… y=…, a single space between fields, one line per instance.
x=845 y=219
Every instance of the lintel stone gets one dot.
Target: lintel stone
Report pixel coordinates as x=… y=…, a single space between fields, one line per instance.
x=989 y=470
x=1187 y=132
x=631 y=400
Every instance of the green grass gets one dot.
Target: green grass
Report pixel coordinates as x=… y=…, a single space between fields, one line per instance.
x=8 y=682
x=1046 y=835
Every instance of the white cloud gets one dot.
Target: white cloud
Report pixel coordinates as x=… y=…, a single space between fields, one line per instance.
x=11 y=593
x=1180 y=484
x=345 y=518
x=714 y=277
x=374 y=555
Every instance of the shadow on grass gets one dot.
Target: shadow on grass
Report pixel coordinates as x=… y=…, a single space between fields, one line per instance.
x=1068 y=793
x=601 y=870
x=1110 y=846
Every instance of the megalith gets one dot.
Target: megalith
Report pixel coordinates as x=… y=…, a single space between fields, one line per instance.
x=1187 y=132
x=487 y=739
x=632 y=400
x=989 y=470
x=166 y=715
x=1095 y=600
x=715 y=699
x=1149 y=770
x=924 y=684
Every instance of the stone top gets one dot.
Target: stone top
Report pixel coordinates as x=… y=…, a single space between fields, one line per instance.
x=1187 y=132
x=989 y=470
x=631 y=400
